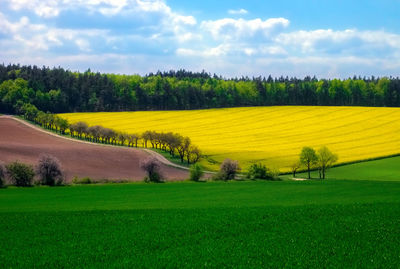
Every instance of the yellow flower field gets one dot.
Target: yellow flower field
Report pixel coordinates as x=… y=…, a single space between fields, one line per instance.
x=271 y=135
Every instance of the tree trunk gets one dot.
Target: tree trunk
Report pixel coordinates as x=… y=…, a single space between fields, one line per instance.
x=308 y=166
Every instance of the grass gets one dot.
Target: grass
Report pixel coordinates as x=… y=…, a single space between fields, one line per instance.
x=271 y=135
x=387 y=169
x=314 y=224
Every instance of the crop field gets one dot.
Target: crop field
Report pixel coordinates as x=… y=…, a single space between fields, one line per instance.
x=271 y=135
x=21 y=142
x=315 y=224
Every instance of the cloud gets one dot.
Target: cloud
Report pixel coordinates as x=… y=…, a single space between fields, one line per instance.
x=148 y=35
x=238 y=11
x=30 y=37
x=42 y=8
x=234 y=29
x=348 y=41
x=220 y=50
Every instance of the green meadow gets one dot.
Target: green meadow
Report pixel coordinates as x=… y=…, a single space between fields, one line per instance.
x=387 y=169
x=309 y=224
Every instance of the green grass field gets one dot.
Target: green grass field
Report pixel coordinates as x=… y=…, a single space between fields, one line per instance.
x=312 y=224
x=387 y=169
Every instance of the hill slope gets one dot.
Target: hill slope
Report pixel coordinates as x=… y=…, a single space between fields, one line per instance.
x=272 y=135
x=21 y=142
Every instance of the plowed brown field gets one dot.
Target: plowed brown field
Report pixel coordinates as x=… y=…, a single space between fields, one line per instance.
x=24 y=143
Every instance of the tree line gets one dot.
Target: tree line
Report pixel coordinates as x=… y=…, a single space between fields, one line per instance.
x=173 y=143
x=58 y=90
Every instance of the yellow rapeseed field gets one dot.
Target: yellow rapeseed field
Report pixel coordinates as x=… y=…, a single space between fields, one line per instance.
x=271 y=135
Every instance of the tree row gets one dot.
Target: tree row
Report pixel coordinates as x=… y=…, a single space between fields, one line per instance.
x=173 y=143
x=58 y=90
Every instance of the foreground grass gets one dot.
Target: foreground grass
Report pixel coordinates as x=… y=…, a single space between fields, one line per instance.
x=387 y=169
x=238 y=224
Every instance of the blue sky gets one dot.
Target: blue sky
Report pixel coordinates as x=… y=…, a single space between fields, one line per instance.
x=230 y=38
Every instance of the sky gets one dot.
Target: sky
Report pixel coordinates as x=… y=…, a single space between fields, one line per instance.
x=328 y=39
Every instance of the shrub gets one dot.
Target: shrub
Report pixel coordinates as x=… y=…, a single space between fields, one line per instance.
x=2 y=175
x=152 y=168
x=84 y=180
x=196 y=172
x=20 y=174
x=49 y=170
x=259 y=171
x=228 y=170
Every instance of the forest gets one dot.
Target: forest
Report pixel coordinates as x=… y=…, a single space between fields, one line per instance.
x=58 y=90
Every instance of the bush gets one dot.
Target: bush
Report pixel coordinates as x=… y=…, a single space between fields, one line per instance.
x=152 y=168
x=20 y=174
x=85 y=180
x=228 y=170
x=196 y=172
x=2 y=175
x=259 y=171
x=49 y=170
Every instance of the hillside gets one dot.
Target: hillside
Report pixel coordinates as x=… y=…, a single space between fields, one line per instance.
x=24 y=143
x=271 y=135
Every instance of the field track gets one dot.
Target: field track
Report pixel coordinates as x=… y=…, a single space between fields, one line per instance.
x=23 y=142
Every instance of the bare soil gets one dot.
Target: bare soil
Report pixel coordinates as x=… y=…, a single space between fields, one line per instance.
x=19 y=141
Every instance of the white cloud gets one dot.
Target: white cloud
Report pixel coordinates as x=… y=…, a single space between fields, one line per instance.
x=231 y=29
x=217 y=51
x=52 y=8
x=42 y=8
x=273 y=50
x=83 y=44
x=29 y=36
x=339 y=41
x=161 y=38
x=241 y=11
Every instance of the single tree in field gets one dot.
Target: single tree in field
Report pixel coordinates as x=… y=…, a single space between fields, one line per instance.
x=196 y=172
x=308 y=157
x=20 y=174
x=325 y=160
x=152 y=168
x=49 y=170
x=228 y=170
x=294 y=167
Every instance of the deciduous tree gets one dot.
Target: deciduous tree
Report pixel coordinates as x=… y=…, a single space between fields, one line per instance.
x=49 y=170
x=308 y=157
x=325 y=160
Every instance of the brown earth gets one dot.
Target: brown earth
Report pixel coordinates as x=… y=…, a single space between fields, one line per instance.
x=19 y=141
